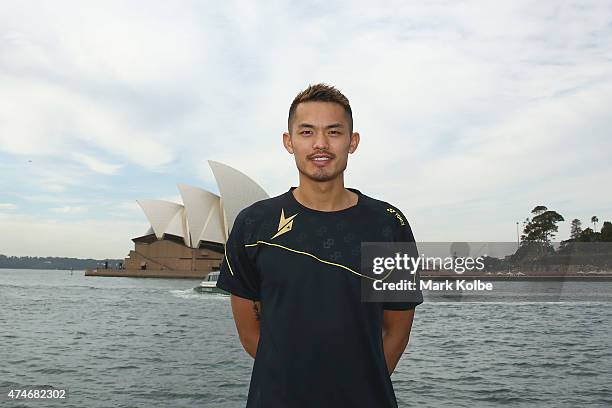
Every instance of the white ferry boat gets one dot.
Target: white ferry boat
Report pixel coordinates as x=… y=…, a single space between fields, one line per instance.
x=209 y=285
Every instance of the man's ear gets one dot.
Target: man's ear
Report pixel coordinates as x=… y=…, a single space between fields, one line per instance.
x=354 y=142
x=287 y=142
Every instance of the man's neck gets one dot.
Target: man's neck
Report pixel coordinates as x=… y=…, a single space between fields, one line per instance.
x=325 y=195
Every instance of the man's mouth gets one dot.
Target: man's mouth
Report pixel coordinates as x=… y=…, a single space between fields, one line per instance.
x=321 y=159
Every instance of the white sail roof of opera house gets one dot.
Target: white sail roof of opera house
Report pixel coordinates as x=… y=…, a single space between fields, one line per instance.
x=165 y=217
x=204 y=216
x=203 y=210
x=237 y=190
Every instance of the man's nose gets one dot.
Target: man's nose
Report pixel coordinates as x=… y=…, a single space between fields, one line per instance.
x=320 y=141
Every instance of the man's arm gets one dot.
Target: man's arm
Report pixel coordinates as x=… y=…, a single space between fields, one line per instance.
x=396 y=333
x=246 y=316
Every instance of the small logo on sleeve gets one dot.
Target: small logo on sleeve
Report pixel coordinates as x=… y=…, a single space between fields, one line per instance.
x=397 y=215
x=285 y=224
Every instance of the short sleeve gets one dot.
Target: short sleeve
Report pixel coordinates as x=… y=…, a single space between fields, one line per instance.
x=238 y=274
x=403 y=233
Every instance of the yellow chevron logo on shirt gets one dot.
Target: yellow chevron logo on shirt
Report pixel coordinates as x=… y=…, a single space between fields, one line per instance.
x=285 y=224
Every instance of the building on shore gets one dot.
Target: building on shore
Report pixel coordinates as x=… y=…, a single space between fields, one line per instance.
x=186 y=240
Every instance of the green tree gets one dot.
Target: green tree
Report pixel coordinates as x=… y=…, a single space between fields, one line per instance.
x=543 y=225
x=606 y=232
x=539 y=209
x=587 y=235
x=576 y=228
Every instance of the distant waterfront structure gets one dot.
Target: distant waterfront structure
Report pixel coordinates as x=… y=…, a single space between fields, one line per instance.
x=186 y=240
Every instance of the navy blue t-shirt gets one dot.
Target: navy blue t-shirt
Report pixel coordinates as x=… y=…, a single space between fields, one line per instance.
x=320 y=345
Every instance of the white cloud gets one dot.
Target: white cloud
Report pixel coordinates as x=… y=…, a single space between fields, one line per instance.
x=128 y=206
x=36 y=236
x=97 y=165
x=67 y=117
x=7 y=206
x=49 y=198
x=68 y=210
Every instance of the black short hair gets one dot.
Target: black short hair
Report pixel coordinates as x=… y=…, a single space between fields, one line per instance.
x=321 y=93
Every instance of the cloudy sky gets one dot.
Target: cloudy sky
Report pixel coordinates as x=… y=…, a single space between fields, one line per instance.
x=471 y=113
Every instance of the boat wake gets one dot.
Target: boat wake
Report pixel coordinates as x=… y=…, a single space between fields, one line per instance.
x=193 y=294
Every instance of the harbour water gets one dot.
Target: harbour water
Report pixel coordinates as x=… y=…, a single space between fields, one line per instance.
x=123 y=342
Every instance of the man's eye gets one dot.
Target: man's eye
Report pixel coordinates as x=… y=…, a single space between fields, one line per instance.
x=305 y=132
x=334 y=132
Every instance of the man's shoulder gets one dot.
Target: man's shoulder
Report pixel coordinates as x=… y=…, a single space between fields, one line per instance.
x=383 y=210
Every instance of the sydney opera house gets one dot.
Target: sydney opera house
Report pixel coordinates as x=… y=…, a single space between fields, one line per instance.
x=186 y=240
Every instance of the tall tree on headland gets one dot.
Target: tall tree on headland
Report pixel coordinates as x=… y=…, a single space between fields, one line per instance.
x=543 y=225
x=576 y=228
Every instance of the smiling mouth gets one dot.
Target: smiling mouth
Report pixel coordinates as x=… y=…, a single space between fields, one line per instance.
x=321 y=160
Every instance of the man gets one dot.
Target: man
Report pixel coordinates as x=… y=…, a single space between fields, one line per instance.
x=292 y=266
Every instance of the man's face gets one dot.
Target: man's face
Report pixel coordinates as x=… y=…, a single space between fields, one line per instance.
x=320 y=140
